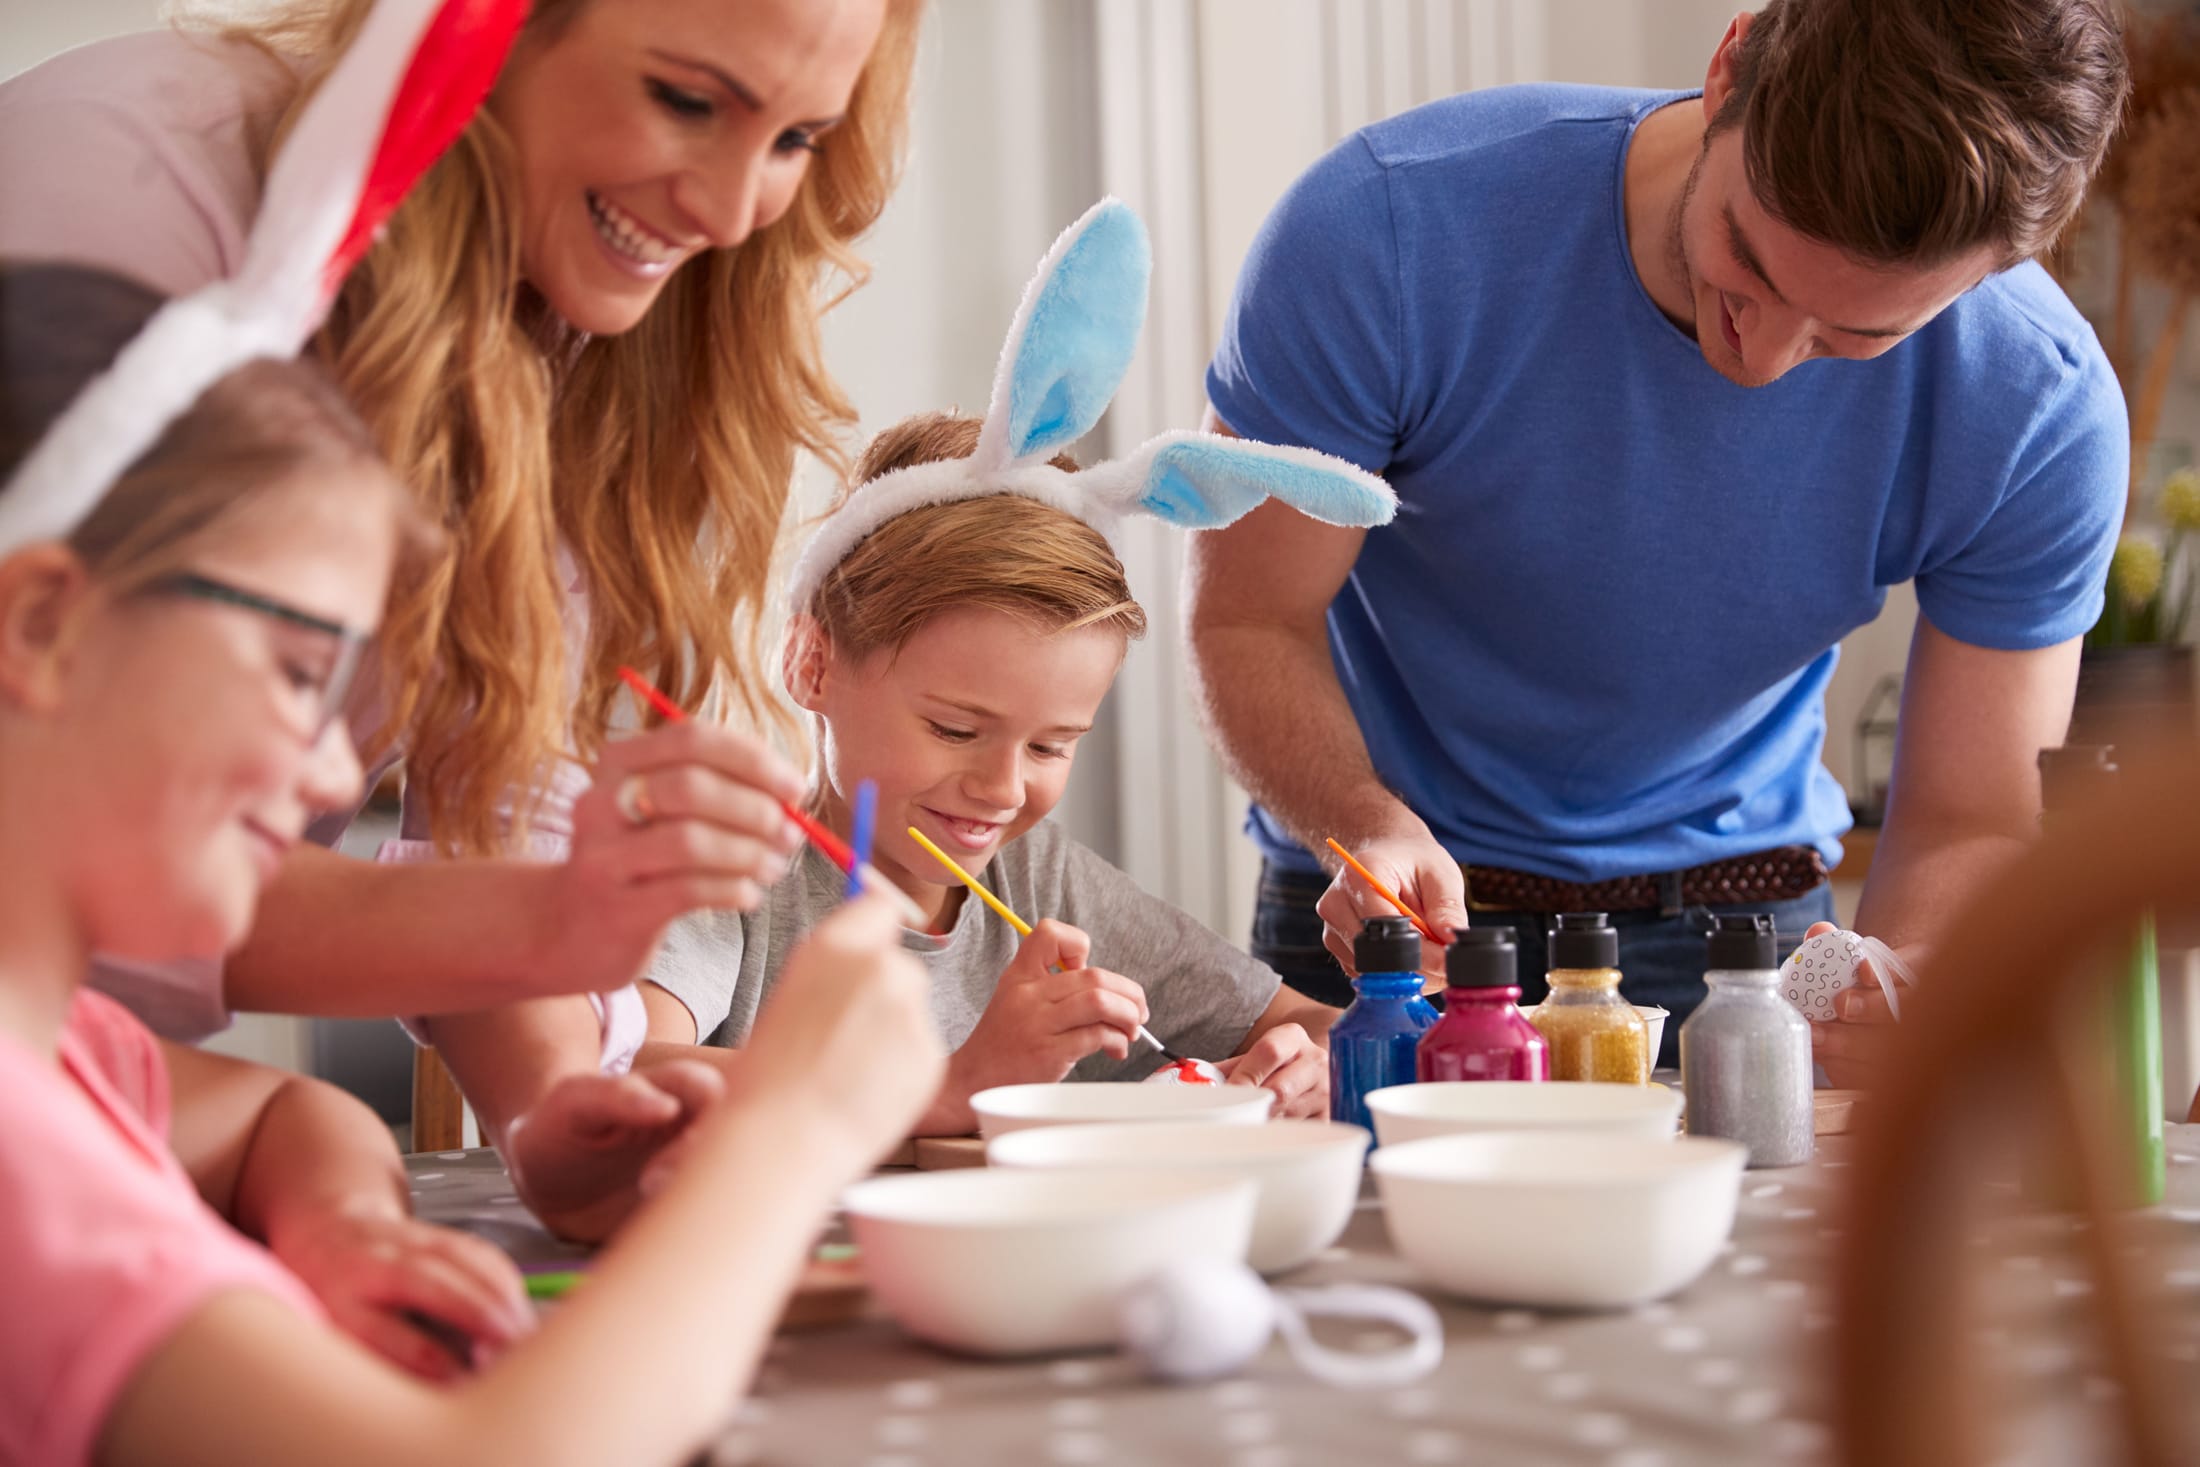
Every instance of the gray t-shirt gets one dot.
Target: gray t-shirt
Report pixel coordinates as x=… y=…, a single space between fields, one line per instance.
x=1204 y=994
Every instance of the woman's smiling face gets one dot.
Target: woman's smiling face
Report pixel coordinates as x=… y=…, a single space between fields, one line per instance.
x=650 y=131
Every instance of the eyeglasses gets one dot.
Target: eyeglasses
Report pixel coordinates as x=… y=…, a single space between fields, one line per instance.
x=327 y=688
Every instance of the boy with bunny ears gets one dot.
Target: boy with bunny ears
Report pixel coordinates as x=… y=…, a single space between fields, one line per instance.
x=957 y=621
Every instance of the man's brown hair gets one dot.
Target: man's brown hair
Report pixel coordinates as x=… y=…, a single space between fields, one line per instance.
x=1914 y=131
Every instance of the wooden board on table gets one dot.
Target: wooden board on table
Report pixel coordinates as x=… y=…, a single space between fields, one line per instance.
x=947 y=1153
x=831 y=1291
x=937 y=1153
x=1834 y=1109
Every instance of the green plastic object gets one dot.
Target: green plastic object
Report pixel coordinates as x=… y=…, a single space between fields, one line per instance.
x=2135 y=1029
x=2132 y=1005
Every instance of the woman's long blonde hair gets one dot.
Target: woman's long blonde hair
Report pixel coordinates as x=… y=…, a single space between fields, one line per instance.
x=674 y=444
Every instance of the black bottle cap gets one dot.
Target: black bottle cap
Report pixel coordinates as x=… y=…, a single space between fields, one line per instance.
x=1387 y=945
x=2068 y=772
x=1584 y=940
x=1744 y=943
x=1482 y=957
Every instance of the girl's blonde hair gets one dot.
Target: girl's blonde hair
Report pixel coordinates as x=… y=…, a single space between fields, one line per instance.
x=265 y=425
x=661 y=458
x=1002 y=551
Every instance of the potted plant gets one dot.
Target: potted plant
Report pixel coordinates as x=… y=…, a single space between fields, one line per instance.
x=2149 y=191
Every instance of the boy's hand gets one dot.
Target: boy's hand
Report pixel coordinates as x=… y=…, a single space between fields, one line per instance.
x=1040 y=1023
x=576 y=1158
x=378 y=1271
x=1287 y=1061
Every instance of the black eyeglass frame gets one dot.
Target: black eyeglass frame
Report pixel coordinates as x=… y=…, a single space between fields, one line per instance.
x=351 y=642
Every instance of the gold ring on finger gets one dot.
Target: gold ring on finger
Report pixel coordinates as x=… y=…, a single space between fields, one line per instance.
x=634 y=802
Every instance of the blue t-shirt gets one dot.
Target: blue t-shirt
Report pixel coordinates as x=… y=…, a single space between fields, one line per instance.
x=1597 y=639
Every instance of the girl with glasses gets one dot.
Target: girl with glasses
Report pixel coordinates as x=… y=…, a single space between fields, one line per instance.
x=212 y=1262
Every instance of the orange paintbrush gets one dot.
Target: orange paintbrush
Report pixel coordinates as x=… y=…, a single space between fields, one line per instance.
x=836 y=850
x=1388 y=895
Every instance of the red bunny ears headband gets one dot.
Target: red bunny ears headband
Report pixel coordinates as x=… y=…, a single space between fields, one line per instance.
x=406 y=87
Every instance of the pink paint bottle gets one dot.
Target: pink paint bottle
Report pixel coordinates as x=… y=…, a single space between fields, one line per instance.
x=1483 y=1035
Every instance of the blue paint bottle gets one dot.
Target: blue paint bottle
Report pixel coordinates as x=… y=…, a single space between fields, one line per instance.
x=1372 y=1045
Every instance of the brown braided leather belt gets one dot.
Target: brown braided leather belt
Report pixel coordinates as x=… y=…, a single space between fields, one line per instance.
x=1768 y=876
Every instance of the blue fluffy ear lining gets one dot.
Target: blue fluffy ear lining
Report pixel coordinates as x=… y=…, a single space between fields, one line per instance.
x=1078 y=333
x=1204 y=483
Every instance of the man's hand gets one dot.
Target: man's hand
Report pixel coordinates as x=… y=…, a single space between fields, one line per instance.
x=1853 y=1045
x=1288 y=1061
x=1411 y=864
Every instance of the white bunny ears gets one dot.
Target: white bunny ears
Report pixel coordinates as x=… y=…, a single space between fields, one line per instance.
x=407 y=85
x=1066 y=354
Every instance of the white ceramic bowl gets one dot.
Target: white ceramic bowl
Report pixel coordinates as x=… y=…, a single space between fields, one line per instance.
x=1560 y=1221
x=1653 y=1019
x=1008 y=1108
x=1021 y=1262
x=1455 y=1107
x=1308 y=1172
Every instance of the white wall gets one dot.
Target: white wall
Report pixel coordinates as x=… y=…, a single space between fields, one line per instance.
x=32 y=30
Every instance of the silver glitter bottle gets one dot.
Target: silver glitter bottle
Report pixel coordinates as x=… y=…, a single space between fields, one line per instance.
x=1745 y=1052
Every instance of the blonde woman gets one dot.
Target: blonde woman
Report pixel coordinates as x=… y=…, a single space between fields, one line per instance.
x=588 y=343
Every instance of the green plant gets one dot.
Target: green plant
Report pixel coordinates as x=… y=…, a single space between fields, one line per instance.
x=2150 y=581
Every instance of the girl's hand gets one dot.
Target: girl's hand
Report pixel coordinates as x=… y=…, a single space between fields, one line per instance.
x=847 y=1036
x=577 y=1158
x=430 y=1300
x=1287 y=1061
x=684 y=817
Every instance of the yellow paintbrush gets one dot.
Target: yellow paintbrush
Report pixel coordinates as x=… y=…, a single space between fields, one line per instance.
x=1023 y=928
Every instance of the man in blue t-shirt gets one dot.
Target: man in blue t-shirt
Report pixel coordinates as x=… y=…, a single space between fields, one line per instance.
x=1672 y=387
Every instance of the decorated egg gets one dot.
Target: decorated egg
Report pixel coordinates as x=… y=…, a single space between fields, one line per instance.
x=1820 y=968
x=1186 y=1072
x=1824 y=965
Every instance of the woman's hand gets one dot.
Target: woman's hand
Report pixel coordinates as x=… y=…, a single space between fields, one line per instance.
x=430 y=1300
x=1286 y=1060
x=578 y=1156
x=847 y=1036
x=685 y=817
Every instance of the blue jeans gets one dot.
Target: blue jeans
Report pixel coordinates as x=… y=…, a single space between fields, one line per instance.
x=1661 y=958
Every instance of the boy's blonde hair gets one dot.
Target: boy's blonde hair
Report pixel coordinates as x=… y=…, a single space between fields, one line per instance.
x=1001 y=551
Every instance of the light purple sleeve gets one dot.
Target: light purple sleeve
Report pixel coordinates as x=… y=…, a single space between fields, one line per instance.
x=133 y=155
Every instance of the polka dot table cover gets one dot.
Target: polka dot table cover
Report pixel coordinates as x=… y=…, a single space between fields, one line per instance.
x=1730 y=1370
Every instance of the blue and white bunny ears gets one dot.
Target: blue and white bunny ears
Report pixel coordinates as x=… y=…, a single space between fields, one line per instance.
x=1067 y=351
